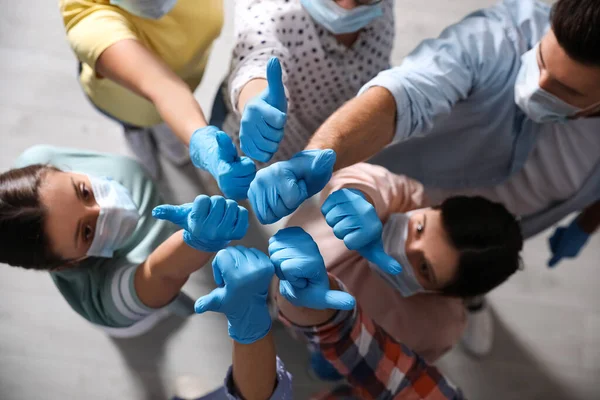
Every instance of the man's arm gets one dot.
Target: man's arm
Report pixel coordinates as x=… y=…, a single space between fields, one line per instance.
x=254 y=368
x=405 y=101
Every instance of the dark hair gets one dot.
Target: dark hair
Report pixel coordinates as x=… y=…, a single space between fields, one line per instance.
x=488 y=239
x=576 y=24
x=23 y=241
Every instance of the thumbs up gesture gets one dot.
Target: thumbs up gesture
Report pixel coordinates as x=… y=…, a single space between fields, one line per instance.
x=264 y=117
x=212 y=150
x=355 y=221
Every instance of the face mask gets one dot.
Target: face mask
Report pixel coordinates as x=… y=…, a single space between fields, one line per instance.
x=395 y=233
x=536 y=103
x=337 y=19
x=117 y=220
x=151 y=9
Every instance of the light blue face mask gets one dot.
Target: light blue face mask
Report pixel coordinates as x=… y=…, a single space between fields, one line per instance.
x=536 y=103
x=337 y=19
x=151 y=9
x=117 y=219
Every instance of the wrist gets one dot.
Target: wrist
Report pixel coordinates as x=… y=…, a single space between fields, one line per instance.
x=203 y=245
x=254 y=325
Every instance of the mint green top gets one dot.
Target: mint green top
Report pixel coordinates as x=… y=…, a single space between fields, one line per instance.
x=102 y=289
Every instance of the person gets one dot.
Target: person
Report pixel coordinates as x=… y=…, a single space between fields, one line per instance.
x=380 y=234
x=319 y=308
x=87 y=219
x=139 y=63
x=504 y=104
x=328 y=49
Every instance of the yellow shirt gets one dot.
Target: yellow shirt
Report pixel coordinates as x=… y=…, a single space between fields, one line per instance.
x=182 y=39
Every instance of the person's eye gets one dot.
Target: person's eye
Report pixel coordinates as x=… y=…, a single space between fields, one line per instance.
x=86 y=193
x=88 y=234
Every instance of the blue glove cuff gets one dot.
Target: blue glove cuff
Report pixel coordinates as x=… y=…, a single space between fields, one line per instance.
x=579 y=234
x=255 y=325
x=201 y=245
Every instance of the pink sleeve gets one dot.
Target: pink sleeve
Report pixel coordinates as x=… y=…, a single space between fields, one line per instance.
x=389 y=193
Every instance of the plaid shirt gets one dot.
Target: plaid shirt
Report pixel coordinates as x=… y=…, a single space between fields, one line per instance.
x=375 y=365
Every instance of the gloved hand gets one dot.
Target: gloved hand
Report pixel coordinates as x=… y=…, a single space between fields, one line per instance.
x=243 y=276
x=209 y=223
x=355 y=221
x=281 y=188
x=212 y=150
x=264 y=116
x=566 y=242
x=301 y=270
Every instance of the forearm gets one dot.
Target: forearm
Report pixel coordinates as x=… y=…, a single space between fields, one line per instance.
x=251 y=89
x=359 y=129
x=254 y=368
x=160 y=278
x=302 y=316
x=179 y=108
x=589 y=219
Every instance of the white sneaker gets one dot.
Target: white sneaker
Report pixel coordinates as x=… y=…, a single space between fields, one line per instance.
x=170 y=146
x=478 y=337
x=141 y=143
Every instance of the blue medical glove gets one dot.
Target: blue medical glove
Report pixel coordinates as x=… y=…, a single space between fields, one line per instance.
x=301 y=270
x=212 y=150
x=281 y=188
x=264 y=116
x=209 y=223
x=355 y=221
x=243 y=276
x=566 y=242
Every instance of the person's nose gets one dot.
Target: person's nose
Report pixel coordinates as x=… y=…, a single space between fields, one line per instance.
x=92 y=211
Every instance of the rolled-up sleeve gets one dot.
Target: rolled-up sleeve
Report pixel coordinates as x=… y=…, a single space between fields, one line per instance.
x=443 y=71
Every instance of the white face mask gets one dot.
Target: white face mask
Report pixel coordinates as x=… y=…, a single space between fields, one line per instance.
x=395 y=233
x=536 y=103
x=151 y=9
x=117 y=220
x=338 y=20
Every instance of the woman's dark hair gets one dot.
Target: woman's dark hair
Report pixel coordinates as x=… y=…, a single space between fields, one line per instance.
x=23 y=241
x=488 y=239
x=576 y=24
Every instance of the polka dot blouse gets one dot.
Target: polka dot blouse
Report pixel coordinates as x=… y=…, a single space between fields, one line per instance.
x=319 y=73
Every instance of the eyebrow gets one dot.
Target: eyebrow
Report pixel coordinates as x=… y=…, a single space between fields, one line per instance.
x=78 y=222
x=565 y=87
x=427 y=263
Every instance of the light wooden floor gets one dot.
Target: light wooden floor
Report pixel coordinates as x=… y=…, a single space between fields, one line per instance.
x=548 y=322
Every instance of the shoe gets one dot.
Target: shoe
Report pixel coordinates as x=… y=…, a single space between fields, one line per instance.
x=322 y=369
x=170 y=146
x=478 y=338
x=141 y=143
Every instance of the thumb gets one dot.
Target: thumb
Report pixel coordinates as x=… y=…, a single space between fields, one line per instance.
x=339 y=300
x=210 y=302
x=275 y=89
x=377 y=255
x=227 y=151
x=175 y=214
x=554 y=260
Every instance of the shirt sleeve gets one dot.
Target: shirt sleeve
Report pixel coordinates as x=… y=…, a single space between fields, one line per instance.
x=375 y=364
x=96 y=29
x=390 y=193
x=257 y=25
x=441 y=72
x=283 y=390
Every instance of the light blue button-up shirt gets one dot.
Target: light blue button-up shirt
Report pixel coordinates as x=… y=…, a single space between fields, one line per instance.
x=457 y=122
